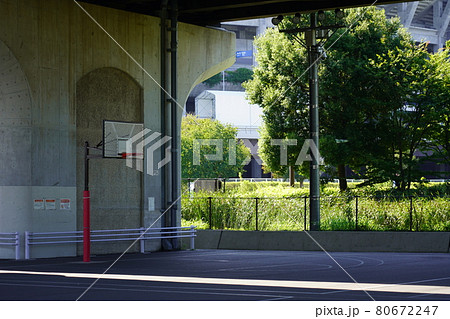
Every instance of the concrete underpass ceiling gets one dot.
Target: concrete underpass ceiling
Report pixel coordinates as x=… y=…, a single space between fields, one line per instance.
x=212 y=12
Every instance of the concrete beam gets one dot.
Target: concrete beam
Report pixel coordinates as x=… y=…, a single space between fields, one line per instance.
x=441 y=19
x=424 y=34
x=425 y=10
x=445 y=20
x=406 y=12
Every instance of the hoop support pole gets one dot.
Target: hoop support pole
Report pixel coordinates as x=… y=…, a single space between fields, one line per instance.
x=86 y=226
x=86 y=208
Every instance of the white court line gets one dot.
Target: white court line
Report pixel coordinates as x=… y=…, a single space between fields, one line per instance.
x=396 y=288
x=321 y=267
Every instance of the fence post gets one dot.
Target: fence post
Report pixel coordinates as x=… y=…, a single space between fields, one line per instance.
x=256 y=211
x=210 y=212
x=142 y=240
x=356 y=213
x=17 y=245
x=192 y=241
x=410 y=212
x=304 y=215
x=27 y=244
x=189 y=186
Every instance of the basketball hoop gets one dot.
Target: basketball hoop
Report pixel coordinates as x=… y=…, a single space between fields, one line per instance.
x=118 y=138
x=115 y=144
x=131 y=155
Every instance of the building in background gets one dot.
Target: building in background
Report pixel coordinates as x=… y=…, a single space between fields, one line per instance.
x=231 y=107
x=245 y=31
x=226 y=102
x=426 y=20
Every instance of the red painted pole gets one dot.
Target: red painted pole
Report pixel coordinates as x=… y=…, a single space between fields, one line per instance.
x=86 y=226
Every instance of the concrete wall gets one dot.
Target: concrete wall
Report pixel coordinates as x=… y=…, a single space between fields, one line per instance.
x=52 y=47
x=116 y=192
x=436 y=242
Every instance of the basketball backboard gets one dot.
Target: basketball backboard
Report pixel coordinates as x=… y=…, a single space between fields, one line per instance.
x=115 y=137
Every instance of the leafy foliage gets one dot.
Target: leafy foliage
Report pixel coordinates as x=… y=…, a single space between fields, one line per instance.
x=352 y=98
x=239 y=75
x=437 y=146
x=381 y=98
x=284 y=105
x=215 y=79
x=411 y=112
x=194 y=129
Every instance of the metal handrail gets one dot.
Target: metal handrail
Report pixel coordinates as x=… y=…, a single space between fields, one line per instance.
x=11 y=239
x=110 y=235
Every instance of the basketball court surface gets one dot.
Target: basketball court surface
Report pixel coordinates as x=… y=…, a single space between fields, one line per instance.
x=231 y=275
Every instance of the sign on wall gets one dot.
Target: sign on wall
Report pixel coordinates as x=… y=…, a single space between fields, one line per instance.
x=243 y=54
x=64 y=204
x=50 y=204
x=38 y=204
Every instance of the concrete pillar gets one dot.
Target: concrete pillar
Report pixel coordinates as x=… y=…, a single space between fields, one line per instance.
x=51 y=48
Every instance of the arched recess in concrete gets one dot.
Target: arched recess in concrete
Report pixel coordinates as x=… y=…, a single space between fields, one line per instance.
x=116 y=190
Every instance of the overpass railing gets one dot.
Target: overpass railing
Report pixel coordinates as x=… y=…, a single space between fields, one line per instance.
x=11 y=239
x=111 y=235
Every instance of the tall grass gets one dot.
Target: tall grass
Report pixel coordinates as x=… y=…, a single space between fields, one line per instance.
x=283 y=208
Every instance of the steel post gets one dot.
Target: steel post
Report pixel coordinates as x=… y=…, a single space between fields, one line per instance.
x=142 y=240
x=210 y=212
x=163 y=103
x=256 y=211
x=174 y=115
x=305 y=212
x=86 y=226
x=86 y=208
x=17 y=243
x=27 y=244
x=314 y=182
x=192 y=240
x=410 y=213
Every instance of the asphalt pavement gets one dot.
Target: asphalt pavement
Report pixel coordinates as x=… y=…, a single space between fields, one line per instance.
x=231 y=275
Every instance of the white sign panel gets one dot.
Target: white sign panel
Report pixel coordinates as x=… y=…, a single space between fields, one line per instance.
x=38 y=204
x=50 y=204
x=151 y=204
x=64 y=204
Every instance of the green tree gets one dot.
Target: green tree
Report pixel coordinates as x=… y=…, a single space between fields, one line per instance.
x=352 y=98
x=196 y=131
x=376 y=90
x=412 y=109
x=437 y=146
x=215 y=79
x=239 y=75
x=285 y=109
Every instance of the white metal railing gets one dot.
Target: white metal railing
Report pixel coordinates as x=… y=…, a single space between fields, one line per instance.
x=11 y=239
x=110 y=235
x=256 y=179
